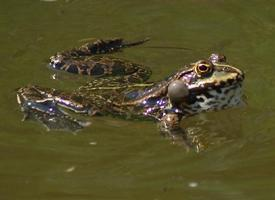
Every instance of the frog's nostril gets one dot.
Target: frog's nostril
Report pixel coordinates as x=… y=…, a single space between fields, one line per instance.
x=227 y=69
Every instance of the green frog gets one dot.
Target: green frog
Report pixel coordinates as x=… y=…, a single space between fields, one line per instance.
x=121 y=88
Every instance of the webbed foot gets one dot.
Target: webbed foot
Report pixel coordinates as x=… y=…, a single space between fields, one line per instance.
x=46 y=111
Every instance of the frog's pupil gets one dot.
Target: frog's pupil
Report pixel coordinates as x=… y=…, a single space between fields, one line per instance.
x=202 y=68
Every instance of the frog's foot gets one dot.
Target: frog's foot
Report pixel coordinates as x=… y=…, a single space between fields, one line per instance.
x=169 y=126
x=51 y=116
x=105 y=46
x=46 y=110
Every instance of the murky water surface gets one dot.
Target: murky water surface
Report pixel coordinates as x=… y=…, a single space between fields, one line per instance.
x=120 y=159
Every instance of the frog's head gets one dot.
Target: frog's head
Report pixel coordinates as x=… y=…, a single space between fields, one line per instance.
x=207 y=85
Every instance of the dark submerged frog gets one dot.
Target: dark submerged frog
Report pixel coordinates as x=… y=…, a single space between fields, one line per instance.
x=121 y=88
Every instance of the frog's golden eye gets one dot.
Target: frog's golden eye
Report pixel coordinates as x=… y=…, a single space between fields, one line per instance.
x=203 y=68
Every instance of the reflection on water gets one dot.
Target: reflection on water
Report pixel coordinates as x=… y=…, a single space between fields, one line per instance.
x=113 y=158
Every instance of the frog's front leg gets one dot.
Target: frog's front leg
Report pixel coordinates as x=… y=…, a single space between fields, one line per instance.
x=43 y=105
x=169 y=126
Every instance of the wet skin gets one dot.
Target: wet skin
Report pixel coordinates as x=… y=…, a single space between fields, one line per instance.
x=122 y=88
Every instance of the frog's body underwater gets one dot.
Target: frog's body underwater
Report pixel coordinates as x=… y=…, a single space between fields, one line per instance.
x=121 y=88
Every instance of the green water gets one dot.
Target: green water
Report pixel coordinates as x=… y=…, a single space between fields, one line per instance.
x=120 y=159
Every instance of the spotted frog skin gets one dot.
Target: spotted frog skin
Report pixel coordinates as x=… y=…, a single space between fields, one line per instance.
x=121 y=88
